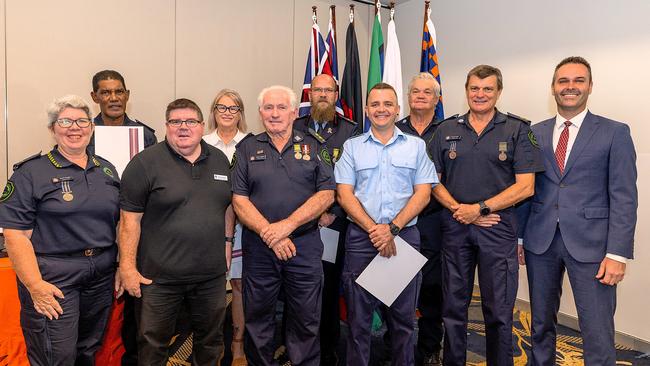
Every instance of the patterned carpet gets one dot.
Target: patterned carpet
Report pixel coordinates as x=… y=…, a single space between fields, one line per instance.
x=569 y=344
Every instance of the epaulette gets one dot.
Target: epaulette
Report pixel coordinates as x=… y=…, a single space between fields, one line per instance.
x=522 y=119
x=455 y=116
x=97 y=157
x=17 y=165
x=347 y=120
x=145 y=126
x=244 y=139
x=316 y=135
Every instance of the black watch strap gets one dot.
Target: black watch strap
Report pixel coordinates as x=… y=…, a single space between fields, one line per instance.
x=394 y=229
x=484 y=209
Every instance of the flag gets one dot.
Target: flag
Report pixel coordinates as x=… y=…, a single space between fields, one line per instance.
x=393 y=64
x=429 y=59
x=329 y=64
x=316 y=53
x=376 y=64
x=351 y=98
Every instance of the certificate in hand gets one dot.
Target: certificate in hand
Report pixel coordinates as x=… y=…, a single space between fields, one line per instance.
x=118 y=144
x=386 y=278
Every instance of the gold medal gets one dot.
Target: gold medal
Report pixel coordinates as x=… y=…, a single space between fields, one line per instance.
x=306 y=150
x=452 y=154
x=503 y=147
x=297 y=155
x=306 y=157
x=68 y=197
x=503 y=156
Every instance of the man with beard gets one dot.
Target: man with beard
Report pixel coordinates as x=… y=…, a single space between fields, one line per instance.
x=582 y=218
x=331 y=130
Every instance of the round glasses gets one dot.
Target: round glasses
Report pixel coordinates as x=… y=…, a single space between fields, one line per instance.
x=67 y=122
x=234 y=109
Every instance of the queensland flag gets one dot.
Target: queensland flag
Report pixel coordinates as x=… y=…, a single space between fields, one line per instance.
x=316 y=53
x=429 y=59
x=351 y=97
x=329 y=63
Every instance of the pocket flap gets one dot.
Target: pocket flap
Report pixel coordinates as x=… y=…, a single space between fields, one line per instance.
x=596 y=212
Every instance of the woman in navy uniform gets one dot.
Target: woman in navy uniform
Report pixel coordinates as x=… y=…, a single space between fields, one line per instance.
x=59 y=212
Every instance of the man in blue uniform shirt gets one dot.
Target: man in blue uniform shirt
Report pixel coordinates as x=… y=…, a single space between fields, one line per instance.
x=384 y=180
x=331 y=130
x=582 y=217
x=487 y=161
x=111 y=94
x=282 y=183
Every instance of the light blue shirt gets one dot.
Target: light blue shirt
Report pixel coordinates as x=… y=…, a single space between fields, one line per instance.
x=383 y=176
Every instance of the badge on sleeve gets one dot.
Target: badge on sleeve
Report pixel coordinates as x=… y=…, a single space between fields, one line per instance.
x=108 y=172
x=533 y=139
x=8 y=191
x=325 y=156
x=336 y=152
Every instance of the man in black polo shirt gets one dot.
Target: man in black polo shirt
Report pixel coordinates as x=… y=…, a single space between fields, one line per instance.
x=174 y=197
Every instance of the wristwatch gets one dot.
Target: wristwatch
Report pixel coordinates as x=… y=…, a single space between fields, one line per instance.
x=394 y=229
x=230 y=239
x=484 y=209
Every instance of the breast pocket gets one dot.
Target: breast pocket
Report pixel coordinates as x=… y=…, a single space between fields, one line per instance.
x=403 y=174
x=364 y=170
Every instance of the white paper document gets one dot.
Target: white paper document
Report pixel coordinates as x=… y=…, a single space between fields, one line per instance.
x=118 y=144
x=330 y=240
x=386 y=278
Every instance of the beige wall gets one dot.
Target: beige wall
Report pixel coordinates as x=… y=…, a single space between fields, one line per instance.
x=526 y=40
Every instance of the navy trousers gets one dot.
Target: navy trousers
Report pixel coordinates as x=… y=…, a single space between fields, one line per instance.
x=494 y=251
x=301 y=279
x=595 y=302
x=430 y=330
x=400 y=317
x=73 y=339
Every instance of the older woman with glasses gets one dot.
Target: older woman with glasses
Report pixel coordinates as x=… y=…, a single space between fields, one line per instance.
x=59 y=212
x=228 y=126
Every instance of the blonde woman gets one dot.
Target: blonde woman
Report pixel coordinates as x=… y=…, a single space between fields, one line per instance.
x=227 y=125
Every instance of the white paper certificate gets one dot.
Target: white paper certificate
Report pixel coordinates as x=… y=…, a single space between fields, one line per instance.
x=386 y=278
x=330 y=240
x=118 y=144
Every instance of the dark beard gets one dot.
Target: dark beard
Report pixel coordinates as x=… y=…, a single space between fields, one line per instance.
x=326 y=114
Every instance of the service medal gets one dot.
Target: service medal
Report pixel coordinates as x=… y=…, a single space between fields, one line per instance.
x=306 y=149
x=68 y=196
x=503 y=147
x=503 y=156
x=452 y=154
x=296 y=151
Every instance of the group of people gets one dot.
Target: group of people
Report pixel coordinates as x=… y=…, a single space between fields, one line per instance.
x=482 y=190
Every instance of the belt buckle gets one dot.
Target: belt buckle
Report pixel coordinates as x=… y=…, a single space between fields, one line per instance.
x=89 y=252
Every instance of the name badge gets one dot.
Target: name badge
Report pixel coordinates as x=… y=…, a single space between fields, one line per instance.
x=220 y=177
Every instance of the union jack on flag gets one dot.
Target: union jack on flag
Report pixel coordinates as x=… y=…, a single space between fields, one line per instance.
x=315 y=57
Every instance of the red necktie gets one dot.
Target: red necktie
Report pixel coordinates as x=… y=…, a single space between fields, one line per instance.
x=560 y=150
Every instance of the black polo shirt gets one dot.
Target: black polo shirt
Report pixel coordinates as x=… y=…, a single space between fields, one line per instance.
x=475 y=168
x=427 y=135
x=332 y=137
x=279 y=182
x=68 y=208
x=184 y=204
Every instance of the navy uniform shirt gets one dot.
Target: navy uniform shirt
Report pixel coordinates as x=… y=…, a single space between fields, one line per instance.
x=182 y=238
x=427 y=135
x=149 y=133
x=68 y=208
x=279 y=182
x=475 y=168
x=332 y=136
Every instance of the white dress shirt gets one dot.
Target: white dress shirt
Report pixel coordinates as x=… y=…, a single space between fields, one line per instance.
x=215 y=140
x=576 y=122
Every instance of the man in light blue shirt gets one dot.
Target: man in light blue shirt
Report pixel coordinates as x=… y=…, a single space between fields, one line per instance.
x=384 y=179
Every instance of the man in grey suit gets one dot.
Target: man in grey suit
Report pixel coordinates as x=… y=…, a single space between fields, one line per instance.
x=581 y=219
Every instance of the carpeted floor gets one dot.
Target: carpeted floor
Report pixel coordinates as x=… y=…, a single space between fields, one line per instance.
x=569 y=344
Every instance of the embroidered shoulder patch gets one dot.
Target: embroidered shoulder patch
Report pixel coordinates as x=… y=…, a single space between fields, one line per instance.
x=533 y=139
x=8 y=191
x=325 y=156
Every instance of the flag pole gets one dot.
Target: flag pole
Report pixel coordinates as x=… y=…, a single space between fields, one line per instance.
x=377 y=6
x=392 y=10
x=333 y=15
x=314 y=18
x=426 y=11
x=351 y=13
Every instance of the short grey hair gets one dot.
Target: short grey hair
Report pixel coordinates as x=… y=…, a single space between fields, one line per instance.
x=57 y=106
x=425 y=76
x=293 y=99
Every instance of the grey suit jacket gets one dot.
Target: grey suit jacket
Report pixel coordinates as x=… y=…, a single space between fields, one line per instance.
x=594 y=200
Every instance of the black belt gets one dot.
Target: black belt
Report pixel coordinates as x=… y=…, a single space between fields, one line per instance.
x=91 y=252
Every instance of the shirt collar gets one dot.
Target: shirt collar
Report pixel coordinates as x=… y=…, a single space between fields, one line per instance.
x=204 y=151
x=576 y=121
x=235 y=140
x=59 y=161
x=99 y=121
x=397 y=133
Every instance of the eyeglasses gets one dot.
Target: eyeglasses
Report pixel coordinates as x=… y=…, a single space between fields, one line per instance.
x=188 y=122
x=106 y=94
x=323 y=90
x=234 y=109
x=67 y=122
